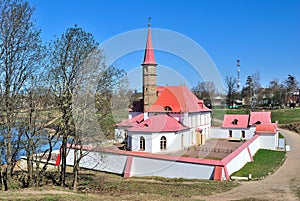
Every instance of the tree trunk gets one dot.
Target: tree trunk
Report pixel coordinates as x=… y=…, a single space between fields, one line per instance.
x=75 y=177
x=63 y=156
x=29 y=155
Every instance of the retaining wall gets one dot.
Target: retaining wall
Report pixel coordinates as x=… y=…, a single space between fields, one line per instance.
x=130 y=163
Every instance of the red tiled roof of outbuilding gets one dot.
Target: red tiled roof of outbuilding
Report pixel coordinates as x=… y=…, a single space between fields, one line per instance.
x=235 y=121
x=259 y=118
x=270 y=128
x=159 y=123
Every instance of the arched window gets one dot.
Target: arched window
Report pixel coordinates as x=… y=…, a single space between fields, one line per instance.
x=168 y=109
x=142 y=143
x=163 y=143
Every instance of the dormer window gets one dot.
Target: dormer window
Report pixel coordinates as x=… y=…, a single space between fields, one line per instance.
x=168 y=109
x=235 y=122
x=146 y=125
x=258 y=122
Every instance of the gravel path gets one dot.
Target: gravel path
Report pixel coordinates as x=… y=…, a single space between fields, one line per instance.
x=277 y=186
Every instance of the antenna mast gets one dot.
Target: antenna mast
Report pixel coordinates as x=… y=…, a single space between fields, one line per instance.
x=238 y=75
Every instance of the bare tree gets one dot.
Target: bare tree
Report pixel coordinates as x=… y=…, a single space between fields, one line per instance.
x=231 y=90
x=111 y=85
x=67 y=56
x=20 y=56
x=205 y=91
x=37 y=141
x=278 y=94
x=256 y=82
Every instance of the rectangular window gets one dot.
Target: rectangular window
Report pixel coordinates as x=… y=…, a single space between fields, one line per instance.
x=230 y=133
x=243 y=134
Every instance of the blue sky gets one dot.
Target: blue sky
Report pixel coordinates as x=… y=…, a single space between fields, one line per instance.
x=263 y=34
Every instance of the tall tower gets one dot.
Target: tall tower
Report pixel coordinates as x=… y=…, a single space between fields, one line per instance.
x=238 y=75
x=149 y=73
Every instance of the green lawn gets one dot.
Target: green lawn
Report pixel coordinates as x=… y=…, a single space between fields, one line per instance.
x=286 y=116
x=265 y=162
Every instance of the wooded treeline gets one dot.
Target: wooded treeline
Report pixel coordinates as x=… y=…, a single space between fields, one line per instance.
x=50 y=93
x=278 y=94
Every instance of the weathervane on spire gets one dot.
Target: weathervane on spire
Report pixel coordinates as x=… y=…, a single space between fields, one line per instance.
x=149 y=21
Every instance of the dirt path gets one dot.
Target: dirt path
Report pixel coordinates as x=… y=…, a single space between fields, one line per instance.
x=277 y=186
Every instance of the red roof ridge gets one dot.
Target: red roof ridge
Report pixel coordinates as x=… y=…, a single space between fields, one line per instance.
x=159 y=123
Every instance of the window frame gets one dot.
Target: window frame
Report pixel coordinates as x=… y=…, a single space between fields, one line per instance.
x=142 y=143
x=243 y=134
x=163 y=143
x=230 y=133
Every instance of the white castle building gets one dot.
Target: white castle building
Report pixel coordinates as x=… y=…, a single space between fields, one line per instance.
x=168 y=118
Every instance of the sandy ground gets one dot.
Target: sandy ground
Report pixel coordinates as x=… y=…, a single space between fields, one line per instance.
x=277 y=186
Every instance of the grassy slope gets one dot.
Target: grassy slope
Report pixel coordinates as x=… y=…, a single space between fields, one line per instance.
x=265 y=161
x=102 y=186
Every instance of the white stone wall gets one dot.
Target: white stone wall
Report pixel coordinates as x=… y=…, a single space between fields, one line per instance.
x=241 y=157
x=134 y=141
x=269 y=141
x=251 y=132
x=171 y=169
x=108 y=162
x=152 y=166
x=238 y=162
x=254 y=146
x=218 y=133
x=175 y=141
x=223 y=133
x=199 y=119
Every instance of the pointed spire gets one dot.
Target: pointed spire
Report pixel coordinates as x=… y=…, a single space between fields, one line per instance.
x=149 y=51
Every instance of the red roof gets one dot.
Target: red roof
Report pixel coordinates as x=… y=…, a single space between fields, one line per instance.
x=149 y=51
x=235 y=121
x=133 y=121
x=159 y=123
x=266 y=128
x=259 y=118
x=178 y=99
